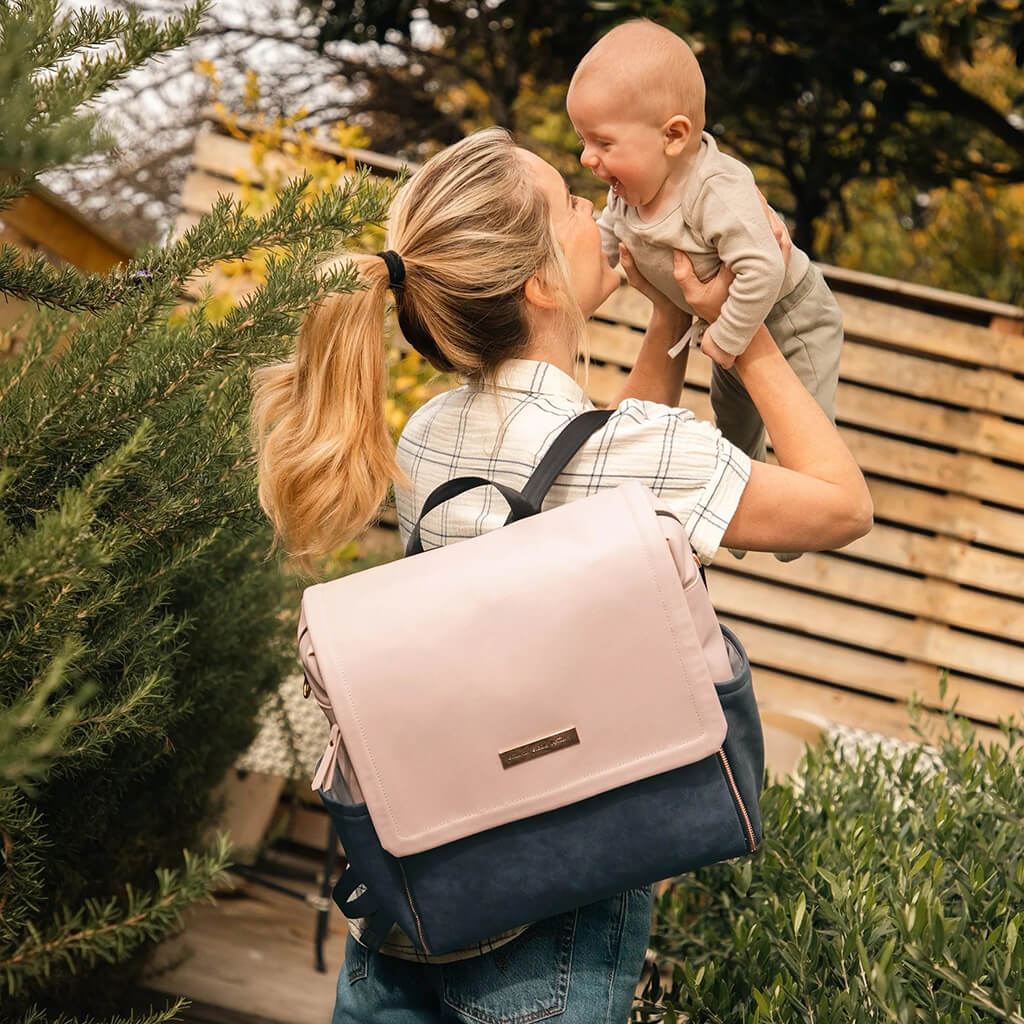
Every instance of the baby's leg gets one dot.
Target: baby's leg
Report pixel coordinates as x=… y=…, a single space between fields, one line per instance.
x=808 y=327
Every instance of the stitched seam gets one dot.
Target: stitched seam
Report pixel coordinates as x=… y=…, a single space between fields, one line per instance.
x=616 y=951
x=566 y=945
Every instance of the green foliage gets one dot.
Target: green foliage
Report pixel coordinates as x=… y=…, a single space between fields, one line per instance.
x=48 y=71
x=141 y=622
x=485 y=57
x=888 y=888
x=965 y=238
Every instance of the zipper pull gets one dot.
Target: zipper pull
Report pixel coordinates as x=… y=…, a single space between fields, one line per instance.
x=329 y=762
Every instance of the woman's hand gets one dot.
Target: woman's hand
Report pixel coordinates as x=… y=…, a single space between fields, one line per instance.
x=636 y=280
x=705 y=297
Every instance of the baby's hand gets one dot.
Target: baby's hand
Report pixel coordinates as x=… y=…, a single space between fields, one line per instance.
x=719 y=355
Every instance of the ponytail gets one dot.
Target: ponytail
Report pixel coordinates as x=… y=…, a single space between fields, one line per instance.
x=325 y=457
x=470 y=228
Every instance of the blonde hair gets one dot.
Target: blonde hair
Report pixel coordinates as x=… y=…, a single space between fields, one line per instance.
x=471 y=228
x=656 y=67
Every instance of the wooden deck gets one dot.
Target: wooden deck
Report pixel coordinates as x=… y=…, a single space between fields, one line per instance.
x=248 y=959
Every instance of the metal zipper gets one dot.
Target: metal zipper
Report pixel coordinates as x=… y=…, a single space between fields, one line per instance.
x=412 y=907
x=751 y=838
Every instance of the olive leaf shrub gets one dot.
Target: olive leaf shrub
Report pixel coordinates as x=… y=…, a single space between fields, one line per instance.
x=890 y=887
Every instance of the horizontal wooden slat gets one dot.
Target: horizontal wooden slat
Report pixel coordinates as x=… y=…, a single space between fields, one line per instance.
x=201 y=190
x=881 y=322
x=324 y=144
x=225 y=157
x=919 y=640
x=947 y=557
x=982 y=390
x=891 y=290
x=941 y=557
x=776 y=690
x=959 y=473
x=866 y=672
x=963 y=473
x=934 y=599
x=970 y=431
x=929 y=334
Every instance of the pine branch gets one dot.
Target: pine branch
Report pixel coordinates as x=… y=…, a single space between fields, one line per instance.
x=43 y=87
x=69 y=527
x=111 y=930
x=165 y=1016
x=24 y=847
x=32 y=730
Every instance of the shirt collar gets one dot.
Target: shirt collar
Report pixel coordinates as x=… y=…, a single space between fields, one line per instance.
x=537 y=377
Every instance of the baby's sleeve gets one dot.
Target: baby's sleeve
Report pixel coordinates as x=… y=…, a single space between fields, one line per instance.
x=731 y=218
x=609 y=239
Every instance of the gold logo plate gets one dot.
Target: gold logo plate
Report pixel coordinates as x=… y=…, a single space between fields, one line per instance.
x=538 y=748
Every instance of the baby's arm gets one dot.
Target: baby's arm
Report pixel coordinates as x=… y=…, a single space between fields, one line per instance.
x=730 y=216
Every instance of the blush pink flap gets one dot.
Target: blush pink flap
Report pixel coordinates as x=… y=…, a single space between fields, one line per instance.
x=473 y=685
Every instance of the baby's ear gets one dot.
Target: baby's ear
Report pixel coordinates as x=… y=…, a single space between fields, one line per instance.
x=676 y=134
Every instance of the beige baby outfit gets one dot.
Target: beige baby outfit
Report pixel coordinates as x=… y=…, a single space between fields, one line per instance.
x=719 y=219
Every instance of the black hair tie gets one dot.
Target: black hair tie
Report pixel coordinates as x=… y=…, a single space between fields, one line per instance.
x=396 y=268
x=414 y=334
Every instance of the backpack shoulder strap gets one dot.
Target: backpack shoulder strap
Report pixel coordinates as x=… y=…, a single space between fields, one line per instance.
x=528 y=501
x=572 y=438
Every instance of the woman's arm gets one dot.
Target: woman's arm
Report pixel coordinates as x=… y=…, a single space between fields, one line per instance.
x=817 y=497
x=655 y=376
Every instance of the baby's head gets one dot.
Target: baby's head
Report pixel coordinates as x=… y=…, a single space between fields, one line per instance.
x=637 y=103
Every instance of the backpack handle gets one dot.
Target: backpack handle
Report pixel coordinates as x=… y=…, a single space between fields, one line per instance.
x=528 y=501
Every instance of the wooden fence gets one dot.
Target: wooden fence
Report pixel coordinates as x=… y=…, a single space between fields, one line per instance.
x=931 y=402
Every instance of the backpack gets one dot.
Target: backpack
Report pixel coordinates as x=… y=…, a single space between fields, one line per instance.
x=532 y=719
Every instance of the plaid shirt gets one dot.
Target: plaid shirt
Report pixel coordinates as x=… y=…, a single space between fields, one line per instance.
x=502 y=432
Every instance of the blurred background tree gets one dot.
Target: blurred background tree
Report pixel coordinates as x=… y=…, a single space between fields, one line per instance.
x=822 y=94
x=823 y=99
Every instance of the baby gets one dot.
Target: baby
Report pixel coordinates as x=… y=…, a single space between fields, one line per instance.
x=637 y=103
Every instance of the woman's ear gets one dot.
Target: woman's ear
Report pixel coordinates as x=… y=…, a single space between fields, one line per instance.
x=538 y=293
x=676 y=133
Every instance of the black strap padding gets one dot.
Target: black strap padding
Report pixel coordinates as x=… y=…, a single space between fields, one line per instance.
x=451 y=489
x=528 y=501
x=561 y=453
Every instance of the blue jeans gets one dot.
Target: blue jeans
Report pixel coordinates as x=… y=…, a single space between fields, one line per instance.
x=580 y=967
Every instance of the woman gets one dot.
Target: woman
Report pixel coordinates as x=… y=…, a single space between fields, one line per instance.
x=495 y=268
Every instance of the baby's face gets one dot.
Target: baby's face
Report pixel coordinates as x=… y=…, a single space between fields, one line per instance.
x=629 y=154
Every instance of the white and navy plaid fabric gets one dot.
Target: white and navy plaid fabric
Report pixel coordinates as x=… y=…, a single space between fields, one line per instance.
x=501 y=432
